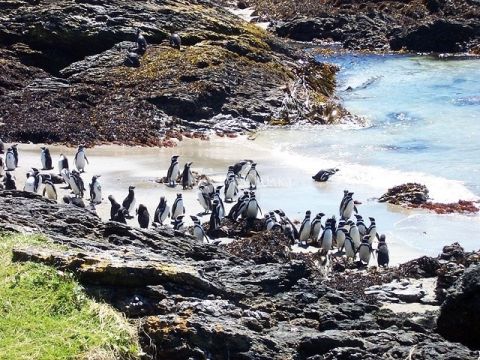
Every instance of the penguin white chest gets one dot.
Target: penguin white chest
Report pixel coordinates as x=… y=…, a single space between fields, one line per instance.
x=30 y=184
x=80 y=161
x=327 y=240
x=306 y=229
x=252 y=210
x=364 y=253
x=10 y=162
x=178 y=209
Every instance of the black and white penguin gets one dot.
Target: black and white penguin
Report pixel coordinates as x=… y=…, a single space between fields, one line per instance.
x=62 y=163
x=141 y=43
x=239 y=207
x=75 y=201
x=178 y=208
x=208 y=188
x=214 y=222
x=49 y=190
x=340 y=235
x=354 y=233
x=305 y=228
x=326 y=240
x=345 y=194
x=175 y=41
x=9 y=182
x=115 y=206
x=198 y=231
x=316 y=226
x=253 y=176
x=129 y=202
x=348 y=207
x=204 y=199
x=365 y=250
x=143 y=216
x=187 y=177
x=10 y=160
x=289 y=228
x=324 y=175
x=173 y=171
x=33 y=182
x=350 y=248
x=77 y=184
x=132 y=59
x=15 y=153
x=231 y=188
x=178 y=224
x=372 y=230
x=66 y=176
x=362 y=229
x=252 y=208
x=95 y=190
x=121 y=216
x=216 y=196
x=241 y=168
x=383 y=256
x=162 y=211
x=46 y=159
x=2 y=147
x=81 y=159
x=2 y=168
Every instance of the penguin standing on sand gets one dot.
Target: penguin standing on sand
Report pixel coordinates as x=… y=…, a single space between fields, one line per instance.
x=30 y=182
x=49 y=190
x=354 y=233
x=289 y=228
x=81 y=159
x=362 y=229
x=305 y=228
x=324 y=175
x=217 y=197
x=326 y=240
x=252 y=208
x=77 y=184
x=372 y=231
x=198 y=230
x=62 y=163
x=231 y=188
x=121 y=216
x=383 y=256
x=143 y=216
x=10 y=160
x=9 y=182
x=162 y=211
x=340 y=235
x=187 y=177
x=95 y=190
x=204 y=199
x=316 y=227
x=348 y=207
x=129 y=202
x=46 y=159
x=15 y=153
x=253 y=176
x=239 y=206
x=365 y=250
x=66 y=176
x=350 y=249
x=178 y=208
x=173 y=171
x=214 y=222
x=175 y=41
x=115 y=206
x=241 y=168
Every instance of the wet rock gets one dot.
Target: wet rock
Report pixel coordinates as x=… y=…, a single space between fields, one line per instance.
x=409 y=194
x=459 y=315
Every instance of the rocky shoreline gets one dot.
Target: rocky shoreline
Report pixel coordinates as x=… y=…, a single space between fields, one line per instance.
x=199 y=301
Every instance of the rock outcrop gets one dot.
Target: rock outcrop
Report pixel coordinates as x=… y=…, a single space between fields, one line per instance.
x=63 y=78
x=194 y=300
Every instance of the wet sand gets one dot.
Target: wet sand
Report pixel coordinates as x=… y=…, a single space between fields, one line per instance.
x=286 y=185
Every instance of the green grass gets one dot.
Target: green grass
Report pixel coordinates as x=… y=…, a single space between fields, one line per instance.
x=45 y=314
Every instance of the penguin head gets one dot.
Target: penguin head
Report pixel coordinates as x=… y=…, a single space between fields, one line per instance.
x=307 y=213
x=179 y=196
x=365 y=239
x=67 y=199
x=194 y=218
x=112 y=199
x=175 y=157
x=351 y=223
x=372 y=219
x=382 y=238
x=358 y=217
x=350 y=193
x=320 y=215
x=43 y=148
x=81 y=147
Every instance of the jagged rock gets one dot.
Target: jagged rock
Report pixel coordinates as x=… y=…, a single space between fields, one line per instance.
x=459 y=315
x=409 y=194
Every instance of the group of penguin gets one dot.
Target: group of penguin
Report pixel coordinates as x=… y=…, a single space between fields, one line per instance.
x=352 y=237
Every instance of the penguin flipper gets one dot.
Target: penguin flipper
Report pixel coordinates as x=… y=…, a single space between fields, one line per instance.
x=355 y=209
x=86 y=159
x=259 y=209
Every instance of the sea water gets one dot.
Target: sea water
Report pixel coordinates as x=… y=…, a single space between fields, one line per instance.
x=422 y=124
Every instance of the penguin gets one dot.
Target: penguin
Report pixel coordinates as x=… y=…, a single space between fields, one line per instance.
x=316 y=227
x=9 y=182
x=15 y=153
x=324 y=175
x=216 y=196
x=383 y=257
x=46 y=159
x=372 y=231
x=162 y=211
x=49 y=190
x=34 y=180
x=269 y=222
x=239 y=206
x=81 y=159
x=178 y=208
x=305 y=228
x=362 y=229
x=252 y=208
x=78 y=202
x=2 y=169
x=132 y=59
x=198 y=231
x=350 y=249
x=62 y=163
x=141 y=43
x=173 y=171
x=121 y=216
x=204 y=200
x=231 y=188
x=115 y=206
x=129 y=202
x=253 y=176
x=340 y=235
x=187 y=177
x=326 y=240
x=10 y=160
x=365 y=250
x=348 y=207
x=289 y=228
x=214 y=222
x=66 y=176
x=175 y=41
x=241 y=168
x=2 y=147
x=345 y=194
x=208 y=188
x=354 y=233
x=77 y=184
x=95 y=190
x=143 y=216
x=178 y=224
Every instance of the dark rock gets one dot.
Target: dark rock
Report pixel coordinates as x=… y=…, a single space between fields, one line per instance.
x=459 y=315
x=409 y=194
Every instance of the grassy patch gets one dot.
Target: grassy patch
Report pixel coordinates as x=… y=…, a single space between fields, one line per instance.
x=45 y=314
